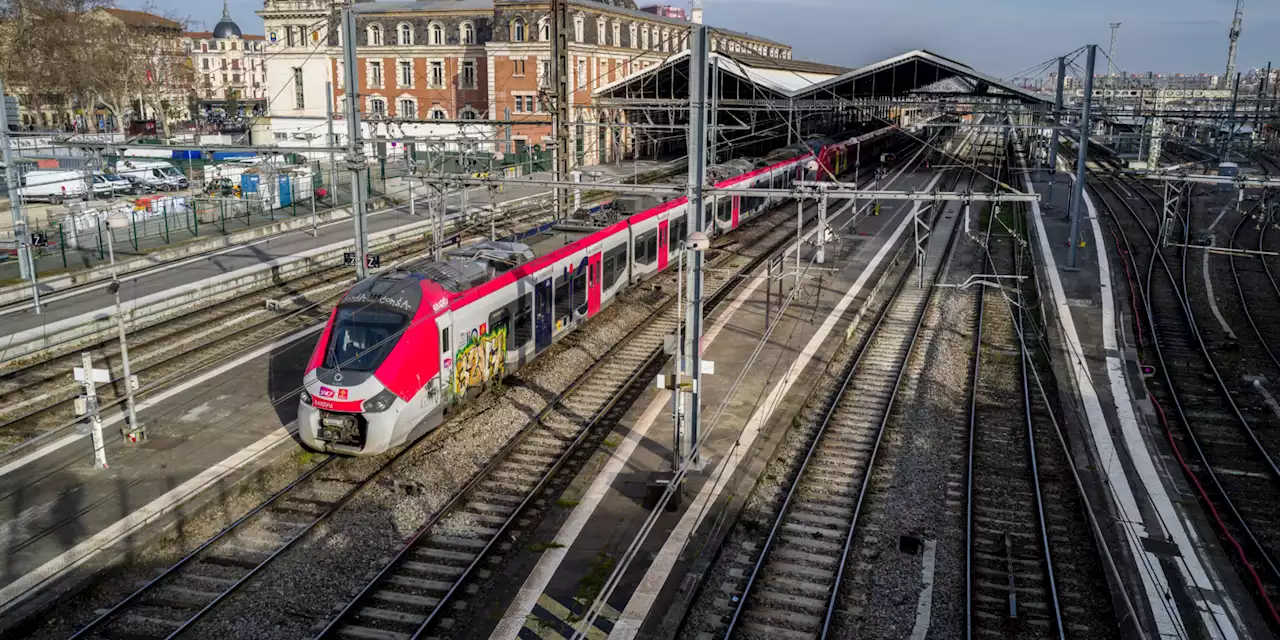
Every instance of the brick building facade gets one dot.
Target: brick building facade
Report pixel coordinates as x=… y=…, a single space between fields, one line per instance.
x=428 y=66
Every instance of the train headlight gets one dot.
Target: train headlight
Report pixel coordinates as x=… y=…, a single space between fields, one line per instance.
x=380 y=402
x=306 y=398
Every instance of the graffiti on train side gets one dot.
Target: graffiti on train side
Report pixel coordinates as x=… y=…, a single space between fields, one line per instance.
x=481 y=359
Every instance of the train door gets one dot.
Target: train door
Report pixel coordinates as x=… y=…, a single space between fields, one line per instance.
x=737 y=210
x=593 y=284
x=663 y=234
x=444 y=324
x=543 y=315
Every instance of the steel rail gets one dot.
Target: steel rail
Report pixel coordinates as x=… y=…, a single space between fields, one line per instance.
x=846 y=377
x=1258 y=552
x=1244 y=298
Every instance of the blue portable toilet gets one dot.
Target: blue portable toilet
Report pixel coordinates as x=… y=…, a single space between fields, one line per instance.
x=249 y=182
x=286 y=190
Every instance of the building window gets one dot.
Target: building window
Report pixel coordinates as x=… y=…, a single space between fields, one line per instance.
x=579 y=22
x=617 y=34
x=233 y=45
x=341 y=74
x=517 y=30
x=298 y=99
x=666 y=40
x=631 y=34
x=404 y=33
x=469 y=114
x=235 y=64
x=517 y=67
x=468 y=74
x=204 y=64
x=375 y=75
x=600 y=31
x=544 y=73
x=204 y=47
x=437 y=75
x=377 y=106
x=406 y=73
x=375 y=35
x=438 y=114
x=224 y=78
x=437 y=33
x=407 y=109
x=582 y=73
x=544 y=30
x=222 y=46
x=235 y=78
x=644 y=38
x=468 y=33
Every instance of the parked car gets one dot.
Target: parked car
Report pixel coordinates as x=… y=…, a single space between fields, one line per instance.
x=110 y=185
x=54 y=185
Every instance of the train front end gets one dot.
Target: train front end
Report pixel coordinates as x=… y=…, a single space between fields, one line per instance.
x=373 y=381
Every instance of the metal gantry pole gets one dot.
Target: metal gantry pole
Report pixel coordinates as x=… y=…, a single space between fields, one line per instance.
x=355 y=154
x=697 y=180
x=560 y=78
x=1057 y=125
x=1077 y=197
x=821 y=257
x=21 y=233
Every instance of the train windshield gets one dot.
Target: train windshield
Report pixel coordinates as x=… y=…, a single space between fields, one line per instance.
x=362 y=337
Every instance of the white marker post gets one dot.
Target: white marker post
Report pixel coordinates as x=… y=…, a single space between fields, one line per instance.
x=90 y=377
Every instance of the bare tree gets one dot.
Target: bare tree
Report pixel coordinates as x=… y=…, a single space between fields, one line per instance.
x=42 y=50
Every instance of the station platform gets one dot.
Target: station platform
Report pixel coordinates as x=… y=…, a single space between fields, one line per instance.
x=209 y=267
x=1160 y=539
x=605 y=505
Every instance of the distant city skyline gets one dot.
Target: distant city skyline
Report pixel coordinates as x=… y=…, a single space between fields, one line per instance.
x=1164 y=36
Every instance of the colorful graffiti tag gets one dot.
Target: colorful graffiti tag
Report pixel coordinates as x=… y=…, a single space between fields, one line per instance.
x=483 y=358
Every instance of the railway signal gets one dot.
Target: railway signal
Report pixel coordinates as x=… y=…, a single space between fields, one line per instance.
x=87 y=404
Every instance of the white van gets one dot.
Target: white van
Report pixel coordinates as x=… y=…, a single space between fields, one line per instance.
x=54 y=185
x=156 y=174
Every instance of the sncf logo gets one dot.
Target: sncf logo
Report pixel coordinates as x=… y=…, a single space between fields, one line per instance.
x=326 y=392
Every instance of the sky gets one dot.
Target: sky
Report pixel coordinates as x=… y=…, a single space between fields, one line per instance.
x=999 y=37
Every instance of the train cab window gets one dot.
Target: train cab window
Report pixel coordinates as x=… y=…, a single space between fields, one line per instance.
x=362 y=337
x=615 y=266
x=563 y=304
x=522 y=330
x=647 y=247
x=501 y=319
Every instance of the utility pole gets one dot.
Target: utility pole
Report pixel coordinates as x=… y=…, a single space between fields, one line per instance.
x=331 y=141
x=560 y=73
x=1078 y=197
x=1111 y=54
x=90 y=384
x=1257 y=108
x=697 y=179
x=1057 y=124
x=1234 y=34
x=21 y=233
x=1231 y=122
x=355 y=154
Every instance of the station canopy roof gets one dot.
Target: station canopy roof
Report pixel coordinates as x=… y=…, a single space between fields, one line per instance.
x=917 y=73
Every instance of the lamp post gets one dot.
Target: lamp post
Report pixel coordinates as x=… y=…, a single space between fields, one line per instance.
x=132 y=431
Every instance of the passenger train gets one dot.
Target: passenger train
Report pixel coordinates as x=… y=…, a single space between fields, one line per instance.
x=402 y=348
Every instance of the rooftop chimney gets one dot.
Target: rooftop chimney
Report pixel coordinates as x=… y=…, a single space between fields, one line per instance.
x=697 y=12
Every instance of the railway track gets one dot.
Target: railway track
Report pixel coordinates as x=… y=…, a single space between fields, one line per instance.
x=791 y=590
x=175 y=600
x=1033 y=568
x=1227 y=460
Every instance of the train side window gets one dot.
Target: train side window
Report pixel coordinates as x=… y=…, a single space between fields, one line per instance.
x=500 y=319
x=444 y=340
x=679 y=231
x=724 y=209
x=522 y=332
x=563 y=304
x=647 y=247
x=579 y=291
x=615 y=265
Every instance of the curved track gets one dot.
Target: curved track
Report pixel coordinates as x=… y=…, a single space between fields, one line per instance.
x=1228 y=461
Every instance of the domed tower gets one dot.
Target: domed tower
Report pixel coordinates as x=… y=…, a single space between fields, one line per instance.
x=226 y=27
